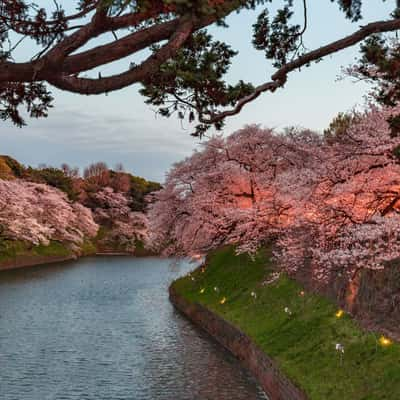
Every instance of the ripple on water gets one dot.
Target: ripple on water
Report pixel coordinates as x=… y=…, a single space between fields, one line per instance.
x=103 y=329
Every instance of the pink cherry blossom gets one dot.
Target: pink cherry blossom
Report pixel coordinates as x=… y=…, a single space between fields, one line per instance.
x=38 y=213
x=326 y=205
x=125 y=227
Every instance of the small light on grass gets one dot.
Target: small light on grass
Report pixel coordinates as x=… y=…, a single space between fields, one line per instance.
x=202 y=290
x=302 y=293
x=223 y=300
x=216 y=289
x=339 y=348
x=253 y=294
x=384 y=341
x=339 y=313
x=287 y=311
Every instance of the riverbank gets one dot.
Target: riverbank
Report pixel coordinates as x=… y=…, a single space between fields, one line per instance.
x=263 y=368
x=298 y=330
x=16 y=254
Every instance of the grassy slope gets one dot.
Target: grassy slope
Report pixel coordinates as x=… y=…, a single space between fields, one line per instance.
x=10 y=249
x=303 y=344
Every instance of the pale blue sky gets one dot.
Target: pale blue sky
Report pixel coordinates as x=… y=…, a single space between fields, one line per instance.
x=121 y=128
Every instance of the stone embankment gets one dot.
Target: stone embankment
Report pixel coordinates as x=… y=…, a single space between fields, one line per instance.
x=30 y=261
x=263 y=368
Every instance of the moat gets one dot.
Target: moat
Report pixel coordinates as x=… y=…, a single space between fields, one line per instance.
x=103 y=329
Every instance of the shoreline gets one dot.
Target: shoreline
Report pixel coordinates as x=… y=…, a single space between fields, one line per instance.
x=280 y=330
x=30 y=261
x=265 y=370
x=26 y=261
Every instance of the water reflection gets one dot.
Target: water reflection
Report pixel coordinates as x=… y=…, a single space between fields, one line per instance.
x=102 y=328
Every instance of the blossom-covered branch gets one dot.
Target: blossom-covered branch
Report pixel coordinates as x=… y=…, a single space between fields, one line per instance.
x=329 y=204
x=38 y=214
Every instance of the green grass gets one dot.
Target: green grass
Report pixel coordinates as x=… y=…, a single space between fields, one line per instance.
x=101 y=233
x=88 y=248
x=53 y=249
x=303 y=344
x=11 y=249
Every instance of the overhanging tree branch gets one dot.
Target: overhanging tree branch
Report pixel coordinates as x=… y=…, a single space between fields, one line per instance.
x=190 y=65
x=148 y=67
x=279 y=78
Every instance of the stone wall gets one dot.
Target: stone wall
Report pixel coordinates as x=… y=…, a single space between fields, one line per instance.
x=30 y=261
x=263 y=368
x=377 y=303
x=373 y=297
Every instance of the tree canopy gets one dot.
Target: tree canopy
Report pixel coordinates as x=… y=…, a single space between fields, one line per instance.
x=184 y=73
x=330 y=206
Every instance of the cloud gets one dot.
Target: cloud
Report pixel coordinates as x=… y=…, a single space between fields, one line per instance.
x=80 y=137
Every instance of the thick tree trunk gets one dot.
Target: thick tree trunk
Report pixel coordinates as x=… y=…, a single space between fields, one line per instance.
x=352 y=292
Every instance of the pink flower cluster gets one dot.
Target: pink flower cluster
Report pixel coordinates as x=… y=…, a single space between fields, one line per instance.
x=38 y=213
x=332 y=203
x=126 y=227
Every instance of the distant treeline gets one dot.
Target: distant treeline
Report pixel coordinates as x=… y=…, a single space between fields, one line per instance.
x=80 y=187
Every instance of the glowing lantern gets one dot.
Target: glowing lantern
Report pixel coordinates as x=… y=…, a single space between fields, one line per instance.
x=202 y=291
x=384 y=341
x=223 y=300
x=339 y=314
x=302 y=293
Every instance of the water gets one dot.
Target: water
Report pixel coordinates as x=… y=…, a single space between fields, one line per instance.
x=103 y=329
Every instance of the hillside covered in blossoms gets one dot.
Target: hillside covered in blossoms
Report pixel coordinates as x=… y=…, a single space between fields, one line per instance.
x=56 y=208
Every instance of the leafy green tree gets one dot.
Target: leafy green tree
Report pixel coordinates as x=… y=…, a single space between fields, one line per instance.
x=185 y=72
x=140 y=188
x=53 y=177
x=10 y=167
x=339 y=126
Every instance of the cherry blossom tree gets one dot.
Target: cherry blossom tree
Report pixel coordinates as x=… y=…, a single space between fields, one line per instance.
x=124 y=227
x=38 y=214
x=328 y=204
x=225 y=193
x=352 y=219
